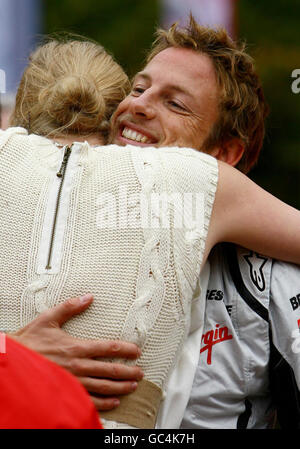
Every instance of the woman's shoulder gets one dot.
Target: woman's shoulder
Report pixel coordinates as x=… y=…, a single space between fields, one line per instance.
x=17 y=137
x=8 y=133
x=13 y=130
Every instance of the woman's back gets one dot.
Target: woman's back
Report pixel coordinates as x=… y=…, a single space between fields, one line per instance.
x=113 y=233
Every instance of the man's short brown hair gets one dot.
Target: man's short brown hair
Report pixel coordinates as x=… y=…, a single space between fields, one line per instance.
x=242 y=106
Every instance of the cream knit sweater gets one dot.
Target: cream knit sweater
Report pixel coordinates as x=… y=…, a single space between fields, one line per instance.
x=142 y=276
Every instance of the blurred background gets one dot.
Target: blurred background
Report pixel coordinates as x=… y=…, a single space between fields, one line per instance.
x=126 y=27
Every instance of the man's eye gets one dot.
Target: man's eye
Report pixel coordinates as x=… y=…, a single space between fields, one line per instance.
x=176 y=105
x=137 y=90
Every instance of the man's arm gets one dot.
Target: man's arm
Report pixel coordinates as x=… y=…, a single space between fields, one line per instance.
x=104 y=381
x=247 y=215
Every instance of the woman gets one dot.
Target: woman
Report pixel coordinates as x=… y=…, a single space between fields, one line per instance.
x=72 y=220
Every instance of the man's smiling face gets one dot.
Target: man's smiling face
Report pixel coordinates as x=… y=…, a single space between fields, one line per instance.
x=173 y=102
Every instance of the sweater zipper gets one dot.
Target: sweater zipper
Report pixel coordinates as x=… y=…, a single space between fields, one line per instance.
x=60 y=174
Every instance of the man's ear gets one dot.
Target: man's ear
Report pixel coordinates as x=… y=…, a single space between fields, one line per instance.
x=230 y=152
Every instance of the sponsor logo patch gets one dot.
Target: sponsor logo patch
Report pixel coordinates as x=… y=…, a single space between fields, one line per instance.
x=229 y=309
x=212 y=337
x=256 y=264
x=295 y=301
x=217 y=295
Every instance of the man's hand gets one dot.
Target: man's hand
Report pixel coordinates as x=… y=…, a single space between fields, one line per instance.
x=103 y=380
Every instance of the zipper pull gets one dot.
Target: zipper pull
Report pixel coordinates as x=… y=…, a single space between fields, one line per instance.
x=67 y=152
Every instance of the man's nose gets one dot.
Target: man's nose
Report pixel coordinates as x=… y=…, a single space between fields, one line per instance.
x=143 y=106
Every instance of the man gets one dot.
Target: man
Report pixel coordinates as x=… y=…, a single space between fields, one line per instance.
x=198 y=90
x=249 y=364
x=241 y=393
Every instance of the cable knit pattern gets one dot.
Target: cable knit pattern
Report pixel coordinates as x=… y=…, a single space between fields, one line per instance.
x=154 y=260
x=142 y=277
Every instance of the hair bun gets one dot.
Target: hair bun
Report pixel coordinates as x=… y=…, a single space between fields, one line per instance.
x=74 y=101
x=69 y=87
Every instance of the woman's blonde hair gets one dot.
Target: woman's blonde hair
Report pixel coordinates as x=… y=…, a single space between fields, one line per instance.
x=69 y=87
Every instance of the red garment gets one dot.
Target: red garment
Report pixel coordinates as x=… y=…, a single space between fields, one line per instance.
x=35 y=393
